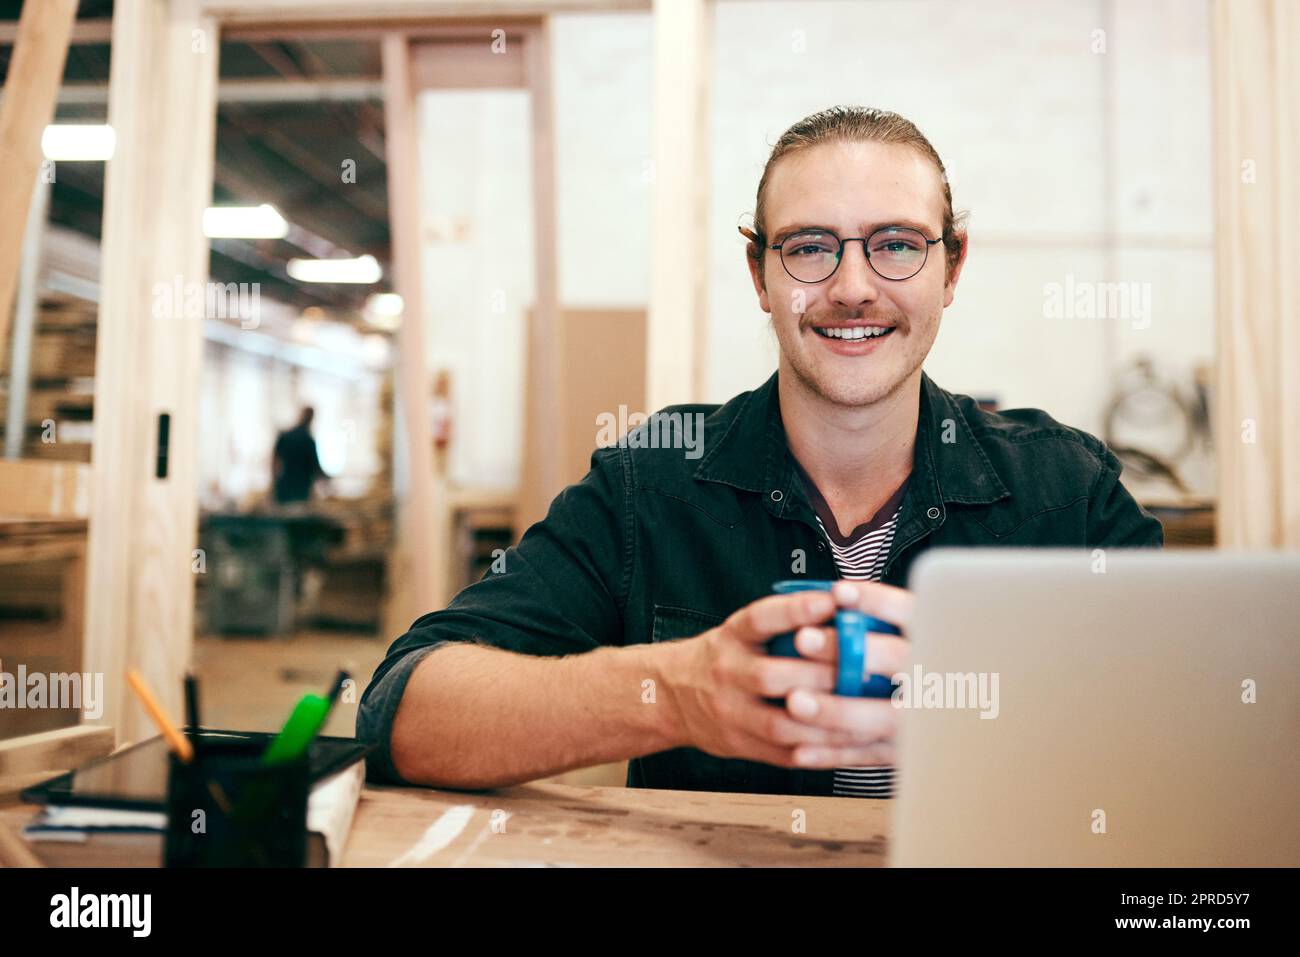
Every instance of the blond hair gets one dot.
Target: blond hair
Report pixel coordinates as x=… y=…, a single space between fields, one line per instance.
x=856 y=124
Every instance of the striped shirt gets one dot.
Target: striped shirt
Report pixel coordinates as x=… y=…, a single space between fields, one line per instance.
x=859 y=556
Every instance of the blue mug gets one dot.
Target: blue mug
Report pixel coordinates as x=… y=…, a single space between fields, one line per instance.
x=851 y=628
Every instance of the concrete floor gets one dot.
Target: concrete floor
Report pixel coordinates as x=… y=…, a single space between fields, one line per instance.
x=251 y=684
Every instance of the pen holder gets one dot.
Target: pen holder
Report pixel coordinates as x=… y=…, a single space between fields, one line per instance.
x=226 y=809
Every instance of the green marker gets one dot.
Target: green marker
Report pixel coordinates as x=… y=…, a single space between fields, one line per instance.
x=304 y=724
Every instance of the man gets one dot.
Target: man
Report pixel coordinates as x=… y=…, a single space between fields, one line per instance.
x=631 y=622
x=294 y=464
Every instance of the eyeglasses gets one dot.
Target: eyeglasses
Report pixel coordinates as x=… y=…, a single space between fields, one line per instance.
x=812 y=255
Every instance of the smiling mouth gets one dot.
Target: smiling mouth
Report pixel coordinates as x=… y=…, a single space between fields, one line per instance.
x=853 y=333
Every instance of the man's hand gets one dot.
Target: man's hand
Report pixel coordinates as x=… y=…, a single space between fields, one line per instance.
x=872 y=719
x=718 y=682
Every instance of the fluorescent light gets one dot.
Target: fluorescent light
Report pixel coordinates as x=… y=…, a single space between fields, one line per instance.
x=385 y=304
x=78 y=141
x=244 y=222
x=384 y=311
x=363 y=269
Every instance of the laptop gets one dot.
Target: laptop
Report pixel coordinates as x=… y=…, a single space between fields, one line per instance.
x=1117 y=707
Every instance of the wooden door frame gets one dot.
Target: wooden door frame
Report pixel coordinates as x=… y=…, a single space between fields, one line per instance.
x=455 y=56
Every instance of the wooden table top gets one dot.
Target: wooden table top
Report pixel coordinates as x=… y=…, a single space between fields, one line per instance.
x=559 y=825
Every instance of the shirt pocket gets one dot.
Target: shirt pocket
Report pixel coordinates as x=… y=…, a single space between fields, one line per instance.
x=690 y=769
x=671 y=623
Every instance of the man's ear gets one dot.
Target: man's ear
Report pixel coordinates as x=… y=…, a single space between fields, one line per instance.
x=950 y=286
x=756 y=275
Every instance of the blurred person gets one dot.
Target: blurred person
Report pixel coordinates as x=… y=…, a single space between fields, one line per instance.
x=295 y=465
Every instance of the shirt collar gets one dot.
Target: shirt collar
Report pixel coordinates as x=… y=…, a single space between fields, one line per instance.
x=750 y=453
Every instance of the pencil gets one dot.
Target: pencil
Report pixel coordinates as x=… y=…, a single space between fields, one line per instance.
x=175 y=740
x=192 y=702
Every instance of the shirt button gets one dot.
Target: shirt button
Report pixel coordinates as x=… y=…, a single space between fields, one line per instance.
x=776 y=495
x=932 y=513
x=821 y=547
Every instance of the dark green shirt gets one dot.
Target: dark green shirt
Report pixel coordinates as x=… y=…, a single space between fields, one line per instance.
x=661 y=543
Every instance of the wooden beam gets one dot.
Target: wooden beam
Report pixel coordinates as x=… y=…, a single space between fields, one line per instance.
x=253 y=173
x=35 y=72
x=413 y=578
x=32 y=488
x=396 y=14
x=143 y=525
x=415 y=29
x=468 y=64
x=543 y=476
x=24 y=321
x=1255 y=78
x=676 y=326
x=324 y=172
x=55 y=751
x=94 y=32
x=344 y=89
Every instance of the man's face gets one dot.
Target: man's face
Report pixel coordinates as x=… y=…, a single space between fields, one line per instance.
x=852 y=189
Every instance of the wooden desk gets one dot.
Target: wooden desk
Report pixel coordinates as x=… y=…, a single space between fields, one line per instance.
x=560 y=825
x=564 y=825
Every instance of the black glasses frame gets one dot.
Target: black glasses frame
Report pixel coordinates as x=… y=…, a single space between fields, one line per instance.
x=839 y=255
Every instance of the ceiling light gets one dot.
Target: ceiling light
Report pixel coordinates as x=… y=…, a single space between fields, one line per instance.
x=244 y=222
x=363 y=269
x=384 y=311
x=78 y=141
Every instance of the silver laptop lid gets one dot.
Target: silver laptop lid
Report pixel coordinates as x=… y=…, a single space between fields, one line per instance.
x=1116 y=707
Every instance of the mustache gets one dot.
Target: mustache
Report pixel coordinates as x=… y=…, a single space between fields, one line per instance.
x=824 y=317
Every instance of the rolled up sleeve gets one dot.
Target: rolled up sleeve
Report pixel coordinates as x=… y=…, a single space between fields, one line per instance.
x=562 y=590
